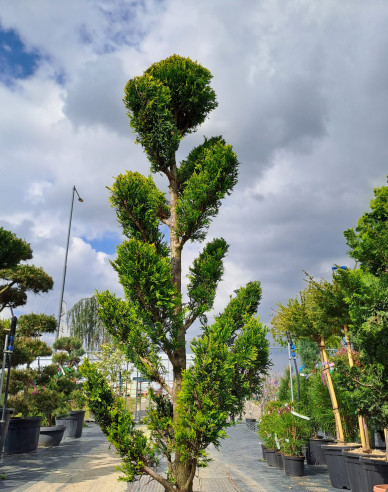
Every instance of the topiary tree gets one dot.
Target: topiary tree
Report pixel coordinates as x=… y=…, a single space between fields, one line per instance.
x=68 y=356
x=26 y=382
x=169 y=101
x=16 y=277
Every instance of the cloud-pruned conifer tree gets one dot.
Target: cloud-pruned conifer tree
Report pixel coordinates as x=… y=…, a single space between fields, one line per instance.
x=169 y=101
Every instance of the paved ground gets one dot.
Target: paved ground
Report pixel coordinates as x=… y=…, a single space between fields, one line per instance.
x=87 y=464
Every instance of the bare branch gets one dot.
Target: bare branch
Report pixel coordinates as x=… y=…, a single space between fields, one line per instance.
x=189 y=322
x=8 y=286
x=152 y=473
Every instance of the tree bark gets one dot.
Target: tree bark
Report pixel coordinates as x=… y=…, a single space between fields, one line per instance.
x=179 y=356
x=363 y=429
x=184 y=474
x=326 y=371
x=175 y=246
x=183 y=471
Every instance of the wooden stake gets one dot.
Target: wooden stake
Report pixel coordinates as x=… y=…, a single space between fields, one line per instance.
x=326 y=371
x=362 y=426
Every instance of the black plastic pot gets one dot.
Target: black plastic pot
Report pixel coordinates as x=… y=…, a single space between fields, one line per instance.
x=376 y=471
x=51 y=436
x=336 y=465
x=271 y=457
x=73 y=423
x=356 y=473
x=293 y=465
x=251 y=424
x=22 y=435
x=264 y=451
x=80 y=416
x=279 y=458
x=314 y=452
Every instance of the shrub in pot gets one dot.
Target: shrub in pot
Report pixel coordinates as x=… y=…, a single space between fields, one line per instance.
x=23 y=430
x=71 y=413
x=267 y=431
x=292 y=432
x=314 y=400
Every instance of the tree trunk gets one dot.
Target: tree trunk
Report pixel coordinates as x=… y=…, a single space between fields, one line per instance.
x=386 y=442
x=361 y=420
x=182 y=470
x=326 y=371
x=176 y=249
x=184 y=474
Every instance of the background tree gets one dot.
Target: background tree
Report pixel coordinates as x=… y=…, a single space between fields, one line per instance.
x=170 y=100
x=113 y=366
x=16 y=277
x=368 y=242
x=308 y=354
x=317 y=314
x=367 y=296
x=86 y=325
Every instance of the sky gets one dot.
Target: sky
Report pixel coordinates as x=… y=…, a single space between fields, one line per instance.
x=302 y=88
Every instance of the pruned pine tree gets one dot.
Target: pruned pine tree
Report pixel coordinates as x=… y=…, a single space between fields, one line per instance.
x=169 y=101
x=16 y=277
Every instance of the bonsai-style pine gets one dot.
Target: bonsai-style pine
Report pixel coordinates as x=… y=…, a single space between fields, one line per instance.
x=169 y=101
x=27 y=384
x=16 y=280
x=16 y=277
x=67 y=358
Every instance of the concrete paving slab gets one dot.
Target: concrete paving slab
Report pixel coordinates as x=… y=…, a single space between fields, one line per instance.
x=89 y=464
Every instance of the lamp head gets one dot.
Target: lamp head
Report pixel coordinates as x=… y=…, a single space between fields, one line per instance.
x=79 y=198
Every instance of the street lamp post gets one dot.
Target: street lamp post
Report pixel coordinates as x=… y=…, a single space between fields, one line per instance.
x=65 y=265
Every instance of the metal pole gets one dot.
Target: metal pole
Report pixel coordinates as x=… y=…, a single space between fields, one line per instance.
x=140 y=401
x=290 y=365
x=65 y=265
x=8 y=349
x=137 y=383
x=290 y=368
x=126 y=387
x=297 y=383
x=4 y=361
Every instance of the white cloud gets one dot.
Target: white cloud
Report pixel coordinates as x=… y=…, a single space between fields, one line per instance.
x=302 y=90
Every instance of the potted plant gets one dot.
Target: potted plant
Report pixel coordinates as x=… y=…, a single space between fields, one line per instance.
x=292 y=432
x=74 y=401
x=267 y=431
x=48 y=400
x=23 y=430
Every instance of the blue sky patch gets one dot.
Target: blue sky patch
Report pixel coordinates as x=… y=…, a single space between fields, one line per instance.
x=107 y=244
x=16 y=61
